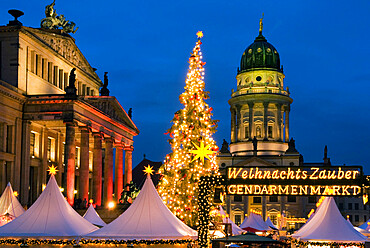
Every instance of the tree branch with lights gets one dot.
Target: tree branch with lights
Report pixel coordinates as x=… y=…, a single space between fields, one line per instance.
x=193 y=148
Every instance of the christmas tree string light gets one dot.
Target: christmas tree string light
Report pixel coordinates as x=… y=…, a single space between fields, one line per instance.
x=193 y=148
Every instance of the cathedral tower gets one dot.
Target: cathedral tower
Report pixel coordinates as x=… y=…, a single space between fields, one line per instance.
x=260 y=105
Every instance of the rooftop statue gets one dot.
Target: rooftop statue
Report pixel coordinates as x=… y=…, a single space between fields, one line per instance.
x=53 y=21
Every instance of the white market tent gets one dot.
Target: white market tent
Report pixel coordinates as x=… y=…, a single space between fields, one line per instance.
x=235 y=229
x=270 y=224
x=49 y=217
x=10 y=208
x=146 y=219
x=363 y=231
x=366 y=225
x=93 y=217
x=254 y=223
x=329 y=225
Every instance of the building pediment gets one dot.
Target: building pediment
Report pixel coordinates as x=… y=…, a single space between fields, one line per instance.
x=112 y=108
x=255 y=161
x=64 y=45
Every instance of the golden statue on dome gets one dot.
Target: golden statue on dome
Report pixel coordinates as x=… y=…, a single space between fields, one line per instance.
x=261 y=23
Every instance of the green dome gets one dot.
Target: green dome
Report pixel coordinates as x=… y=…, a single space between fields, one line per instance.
x=260 y=55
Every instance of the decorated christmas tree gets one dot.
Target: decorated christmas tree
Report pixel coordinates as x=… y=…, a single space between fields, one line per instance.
x=193 y=148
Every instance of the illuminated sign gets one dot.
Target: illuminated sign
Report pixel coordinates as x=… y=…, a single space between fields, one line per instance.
x=299 y=180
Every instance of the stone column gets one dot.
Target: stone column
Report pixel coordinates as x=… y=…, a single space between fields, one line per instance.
x=3 y=181
x=60 y=160
x=119 y=172
x=97 y=169
x=264 y=207
x=265 y=125
x=238 y=122
x=108 y=171
x=70 y=157
x=44 y=163
x=83 y=191
x=18 y=155
x=278 y=129
x=25 y=163
x=233 y=126
x=287 y=110
x=251 y=121
x=128 y=164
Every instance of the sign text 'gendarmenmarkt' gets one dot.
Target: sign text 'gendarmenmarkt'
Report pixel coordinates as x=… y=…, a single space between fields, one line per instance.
x=279 y=180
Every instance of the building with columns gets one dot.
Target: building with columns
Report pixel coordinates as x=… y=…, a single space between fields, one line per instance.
x=53 y=114
x=260 y=108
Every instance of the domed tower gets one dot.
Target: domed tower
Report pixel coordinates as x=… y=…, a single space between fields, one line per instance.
x=260 y=106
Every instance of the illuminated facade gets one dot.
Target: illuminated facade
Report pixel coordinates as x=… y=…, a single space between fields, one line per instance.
x=260 y=137
x=260 y=108
x=42 y=125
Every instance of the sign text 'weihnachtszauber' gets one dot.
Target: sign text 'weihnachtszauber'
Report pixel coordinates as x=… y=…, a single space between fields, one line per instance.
x=333 y=180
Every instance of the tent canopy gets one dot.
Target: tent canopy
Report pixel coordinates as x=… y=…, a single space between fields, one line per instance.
x=93 y=217
x=270 y=224
x=254 y=223
x=146 y=219
x=9 y=204
x=329 y=225
x=366 y=225
x=235 y=229
x=50 y=216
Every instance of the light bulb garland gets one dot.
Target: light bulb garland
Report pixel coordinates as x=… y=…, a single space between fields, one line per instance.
x=326 y=244
x=193 y=148
x=74 y=242
x=207 y=185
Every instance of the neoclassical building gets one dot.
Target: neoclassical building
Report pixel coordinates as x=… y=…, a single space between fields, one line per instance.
x=260 y=108
x=51 y=116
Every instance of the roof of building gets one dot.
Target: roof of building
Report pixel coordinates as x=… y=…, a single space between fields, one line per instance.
x=260 y=55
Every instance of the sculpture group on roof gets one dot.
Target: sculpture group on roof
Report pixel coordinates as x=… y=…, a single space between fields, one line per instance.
x=54 y=21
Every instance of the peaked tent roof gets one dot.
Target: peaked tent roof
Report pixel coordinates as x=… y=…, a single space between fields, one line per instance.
x=93 y=217
x=254 y=223
x=50 y=216
x=235 y=229
x=146 y=219
x=366 y=225
x=270 y=224
x=138 y=175
x=9 y=204
x=329 y=225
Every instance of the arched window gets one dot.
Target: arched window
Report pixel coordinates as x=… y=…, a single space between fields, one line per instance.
x=258 y=132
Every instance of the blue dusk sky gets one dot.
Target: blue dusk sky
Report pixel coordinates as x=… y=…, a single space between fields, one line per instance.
x=145 y=46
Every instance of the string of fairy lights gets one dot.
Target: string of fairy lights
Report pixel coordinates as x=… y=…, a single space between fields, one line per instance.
x=76 y=242
x=328 y=244
x=191 y=141
x=207 y=186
